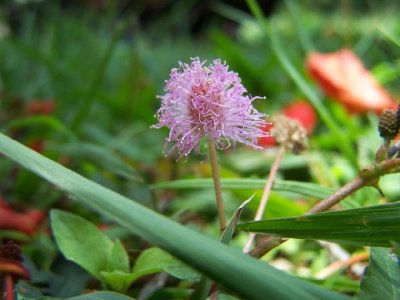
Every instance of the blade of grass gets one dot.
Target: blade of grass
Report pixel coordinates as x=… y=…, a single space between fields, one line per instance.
x=247 y=277
x=302 y=33
x=83 y=112
x=370 y=226
x=296 y=187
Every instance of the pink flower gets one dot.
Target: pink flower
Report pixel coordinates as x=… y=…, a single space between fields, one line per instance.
x=208 y=101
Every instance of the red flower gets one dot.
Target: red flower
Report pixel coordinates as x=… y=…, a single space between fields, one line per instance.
x=27 y=222
x=343 y=76
x=303 y=112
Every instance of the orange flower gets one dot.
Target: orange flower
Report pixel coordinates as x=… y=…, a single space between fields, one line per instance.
x=343 y=76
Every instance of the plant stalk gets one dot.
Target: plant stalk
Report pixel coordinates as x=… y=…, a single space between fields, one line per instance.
x=217 y=184
x=8 y=287
x=265 y=196
x=367 y=177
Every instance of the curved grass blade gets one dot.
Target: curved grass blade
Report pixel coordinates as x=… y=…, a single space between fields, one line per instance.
x=246 y=276
x=297 y=187
x=370 y=226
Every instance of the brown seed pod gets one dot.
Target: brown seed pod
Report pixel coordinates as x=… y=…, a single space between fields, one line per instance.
x=388 y=124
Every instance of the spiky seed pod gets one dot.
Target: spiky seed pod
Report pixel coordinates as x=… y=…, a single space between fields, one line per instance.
x=289 y=133
x=398 y=117
x=11 y=251
x=388 y=124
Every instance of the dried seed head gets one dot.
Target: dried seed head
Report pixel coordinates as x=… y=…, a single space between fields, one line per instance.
x=289 y=133
x=398 y=116
x=388 y=124
x=11 y=251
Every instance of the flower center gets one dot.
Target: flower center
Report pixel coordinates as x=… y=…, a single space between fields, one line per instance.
x=205 y=108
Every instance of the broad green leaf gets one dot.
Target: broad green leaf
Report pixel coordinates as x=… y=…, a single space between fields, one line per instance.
x=154 y=260
x=118 y=258
x=301 y=188
x=382 y=277
x=370 y=226
x=81 y=241
x=118 y=281
x=102 y=296
x=246 y=276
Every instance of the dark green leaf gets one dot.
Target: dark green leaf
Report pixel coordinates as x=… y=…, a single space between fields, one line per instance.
x=382 y=277
x=375 y=226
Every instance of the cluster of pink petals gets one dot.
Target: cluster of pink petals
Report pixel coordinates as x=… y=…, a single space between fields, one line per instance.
x=343 y=76
x=208 y=101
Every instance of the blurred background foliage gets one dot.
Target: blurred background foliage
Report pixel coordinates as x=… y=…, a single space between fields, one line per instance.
x=79 y=79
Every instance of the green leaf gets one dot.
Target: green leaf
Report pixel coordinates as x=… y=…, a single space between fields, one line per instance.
x=102 y=296
x=246 y=276
x=382 y=277
x=230 y=229
x=297 y=187
x=14 y=235
x=118 y=281
x=81 y=241
x=370 y=226
x=118 y=258
x=154 y=260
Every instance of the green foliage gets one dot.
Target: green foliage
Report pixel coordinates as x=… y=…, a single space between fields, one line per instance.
x=369 y=226
x=81 y=242
x=382 y=277
x=243 y=275
x=301 y=188
x=102 y=69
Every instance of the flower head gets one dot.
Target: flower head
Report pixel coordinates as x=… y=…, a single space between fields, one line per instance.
x=343 y=76
x=208 y=101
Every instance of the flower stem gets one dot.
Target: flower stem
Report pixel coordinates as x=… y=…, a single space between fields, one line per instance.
x=367 y=177
x=217 y=184
x=265 y=196
x=8 y=287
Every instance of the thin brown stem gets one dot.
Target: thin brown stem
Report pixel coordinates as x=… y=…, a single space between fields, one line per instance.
x=265 y=196
x=217 y=184
x=367 y=177
x=8 y=287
